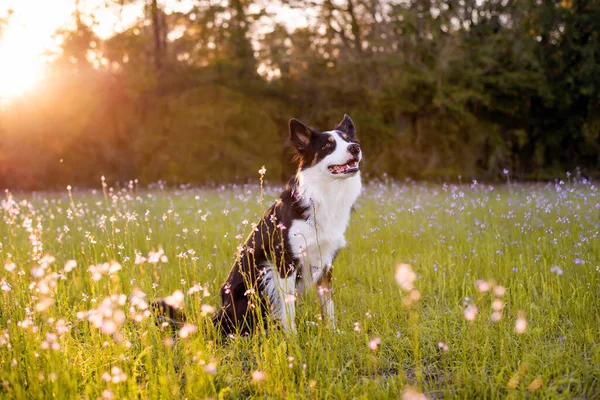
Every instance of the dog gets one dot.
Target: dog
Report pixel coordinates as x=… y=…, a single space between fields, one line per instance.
x=295 y=243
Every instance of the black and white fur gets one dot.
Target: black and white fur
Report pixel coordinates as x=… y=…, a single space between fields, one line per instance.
x=295 y=243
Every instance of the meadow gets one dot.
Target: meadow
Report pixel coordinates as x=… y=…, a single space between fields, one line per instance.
x=504 y=301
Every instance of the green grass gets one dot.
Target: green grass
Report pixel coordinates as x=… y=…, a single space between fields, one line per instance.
x=539 y=242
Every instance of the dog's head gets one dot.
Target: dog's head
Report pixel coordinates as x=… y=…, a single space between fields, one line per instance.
x=333 y=153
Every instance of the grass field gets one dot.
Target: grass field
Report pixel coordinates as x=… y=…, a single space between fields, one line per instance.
x=80 y=330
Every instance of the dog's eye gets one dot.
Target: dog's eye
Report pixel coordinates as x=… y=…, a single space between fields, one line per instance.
x=327 y=145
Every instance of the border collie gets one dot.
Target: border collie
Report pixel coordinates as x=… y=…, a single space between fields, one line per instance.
x=295 y=243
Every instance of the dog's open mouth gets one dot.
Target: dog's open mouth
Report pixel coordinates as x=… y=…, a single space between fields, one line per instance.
x=349 y=167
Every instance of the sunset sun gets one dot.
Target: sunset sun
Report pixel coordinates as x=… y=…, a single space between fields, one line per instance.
x=24 y=39
x=21 y=71
x=28 y=35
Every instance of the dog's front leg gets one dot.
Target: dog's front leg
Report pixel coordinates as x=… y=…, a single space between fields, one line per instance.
x=324 y=290
x=287 y=301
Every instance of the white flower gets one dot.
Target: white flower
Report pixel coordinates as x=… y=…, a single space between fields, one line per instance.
x=411 y=393
x=290 y=298
x=405 y=277
x=70 y=265
x=483 y=285
x=186 y=330
x=497 y=305
x=108 y=327
x=521 y=324
x=157 y=256
x=258 y=376
x=210 y=368
x=499 y=291
x=374 y=344
x=471 y=312
x=5 y=286
x=176 y=299
x=206 y=309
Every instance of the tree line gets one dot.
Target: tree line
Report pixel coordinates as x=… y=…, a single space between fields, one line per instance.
x=437 y=89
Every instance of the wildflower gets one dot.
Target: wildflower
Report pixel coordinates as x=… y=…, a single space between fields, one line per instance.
x=155 y=256
x=10 y=266
x=206 y=309
x=521 y=324
x=70 y=265
x=99 y=270
x=499 y=291
x=4 y=337
x=139 y=259
x=139 y=307
x=262 y=171
x=415 y=295
x=443 y=346
x=119 y=317
x=210 y=368
x=258 y=376
x=5 y=286
x=194 y=289
x=175 y=300
x=374 y=344
x=186 y=330
x=44 y=304
x=471 y=312
x=108 y=327
x=50 y=342
x=107 y=317
x=405 y=277
x=496 y=316
x=290 y=298
x=411 y=393
x=483 y=285
x=556 y=269
x=497 y=305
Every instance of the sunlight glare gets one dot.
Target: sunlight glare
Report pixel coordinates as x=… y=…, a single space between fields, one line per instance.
x=20 y=70
x=25 y=40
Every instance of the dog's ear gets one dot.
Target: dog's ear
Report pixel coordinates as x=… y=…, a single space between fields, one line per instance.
x=347 y=126
x=300 y=134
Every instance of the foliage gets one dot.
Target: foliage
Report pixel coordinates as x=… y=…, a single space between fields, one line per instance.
x=438 y=90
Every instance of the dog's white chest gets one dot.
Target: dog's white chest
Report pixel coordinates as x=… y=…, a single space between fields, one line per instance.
x=316 y=240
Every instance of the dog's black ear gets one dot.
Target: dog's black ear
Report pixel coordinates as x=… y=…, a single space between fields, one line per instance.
x=346 y=126
x=300 y=134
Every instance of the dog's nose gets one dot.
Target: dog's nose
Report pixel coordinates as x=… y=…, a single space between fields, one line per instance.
x=354 y=149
